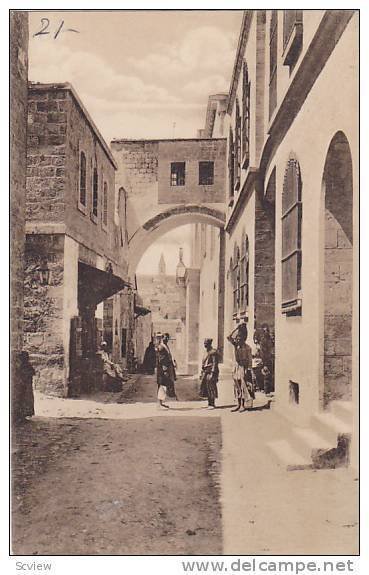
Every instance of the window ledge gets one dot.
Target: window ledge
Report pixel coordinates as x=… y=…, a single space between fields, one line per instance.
x=237 y=184
x=293 y=46
x=245 y=162
x=104 y=227
x=93 y=218
x=82 y=208
x=292 y=308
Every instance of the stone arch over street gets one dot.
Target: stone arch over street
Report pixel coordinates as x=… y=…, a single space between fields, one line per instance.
x=337 y=190
x=166 y=221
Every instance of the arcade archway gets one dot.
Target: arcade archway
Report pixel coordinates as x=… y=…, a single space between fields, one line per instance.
x=338 y=266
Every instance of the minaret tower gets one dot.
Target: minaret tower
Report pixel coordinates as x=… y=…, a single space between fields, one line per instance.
x=162 y=266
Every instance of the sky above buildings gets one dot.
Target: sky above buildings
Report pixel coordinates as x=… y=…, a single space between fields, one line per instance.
x=140 y=74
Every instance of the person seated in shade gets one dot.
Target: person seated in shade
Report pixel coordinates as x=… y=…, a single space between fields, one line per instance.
x=112 y=372
x=209 y=373
x=243 y=389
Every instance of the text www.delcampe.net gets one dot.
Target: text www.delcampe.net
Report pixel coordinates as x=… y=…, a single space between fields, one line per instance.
x=264 y=566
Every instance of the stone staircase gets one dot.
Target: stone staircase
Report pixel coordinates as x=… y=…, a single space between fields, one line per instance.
x=325 y=444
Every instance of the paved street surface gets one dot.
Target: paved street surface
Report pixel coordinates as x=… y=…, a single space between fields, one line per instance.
x=113 y=474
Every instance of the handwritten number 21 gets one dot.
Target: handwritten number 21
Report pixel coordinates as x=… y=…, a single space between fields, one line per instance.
x=45 y=23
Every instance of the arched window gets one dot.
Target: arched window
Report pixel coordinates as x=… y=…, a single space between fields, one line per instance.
x=273 y=54
x=291 y=237
x=105 y=205
x=82 y=179
x=245 y=117
x=231 y=165
x=237 y=147
x=95 y=193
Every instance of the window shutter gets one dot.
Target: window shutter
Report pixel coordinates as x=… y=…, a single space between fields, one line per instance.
x=291 y=235
x=245 y=117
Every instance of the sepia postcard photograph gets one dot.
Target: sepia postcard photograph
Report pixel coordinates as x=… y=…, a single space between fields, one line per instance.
x=184 y=286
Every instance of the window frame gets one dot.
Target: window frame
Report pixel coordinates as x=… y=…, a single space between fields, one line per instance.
x=273 y=46
x=236 y=280
x=292 y=37
x=291 y=204
x=245 y=129
x=244 y=274
x=208 y=163
x=105 y=206
x=82 y=206
x=237 y=147
x=95 y=192
x=172 y=173
x=231 y=166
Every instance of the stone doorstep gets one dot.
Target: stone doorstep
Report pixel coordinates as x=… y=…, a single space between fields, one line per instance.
x=316 y=446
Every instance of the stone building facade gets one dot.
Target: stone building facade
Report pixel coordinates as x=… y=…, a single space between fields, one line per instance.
x=18 y=142
x=74 y=257
x=292 y=157
x=168 y=183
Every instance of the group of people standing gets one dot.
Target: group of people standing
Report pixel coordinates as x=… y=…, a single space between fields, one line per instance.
x=253 y=369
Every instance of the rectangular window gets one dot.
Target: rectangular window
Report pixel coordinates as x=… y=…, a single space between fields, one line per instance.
x=177 y=173
x=82 y=179
x=95 y=193
x=206 y=173
x=292 y=36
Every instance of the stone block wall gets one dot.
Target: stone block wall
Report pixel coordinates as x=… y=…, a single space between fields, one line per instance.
x=191 y=152
x=43 y=313
x=18 y=139
x=338 y=311
x=46 y=155
x=264 y=290
x=80 y=221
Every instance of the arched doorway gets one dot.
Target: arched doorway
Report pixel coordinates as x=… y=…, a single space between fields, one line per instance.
x=338 y=266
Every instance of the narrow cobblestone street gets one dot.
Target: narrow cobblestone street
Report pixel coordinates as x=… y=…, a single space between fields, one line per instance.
x=113 y=474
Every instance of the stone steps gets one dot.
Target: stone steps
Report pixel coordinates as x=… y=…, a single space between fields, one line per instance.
x=288 y=457
x=325 y=444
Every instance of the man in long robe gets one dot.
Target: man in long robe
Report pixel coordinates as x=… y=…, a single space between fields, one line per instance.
x=210 y=373
x=166 y=374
